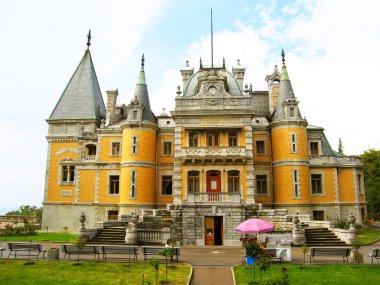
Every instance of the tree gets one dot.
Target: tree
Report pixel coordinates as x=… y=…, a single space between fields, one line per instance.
x=340 y=148
x=27 y=210
x=371 y=163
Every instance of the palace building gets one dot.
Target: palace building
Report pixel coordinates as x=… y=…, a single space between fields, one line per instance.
x=223 y=154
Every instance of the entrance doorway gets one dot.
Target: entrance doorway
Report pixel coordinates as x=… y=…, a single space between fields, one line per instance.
x=214 y=230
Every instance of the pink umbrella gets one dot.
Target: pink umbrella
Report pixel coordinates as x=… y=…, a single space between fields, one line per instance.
x=254 y=226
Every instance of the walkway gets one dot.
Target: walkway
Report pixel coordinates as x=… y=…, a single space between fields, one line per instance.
x=212 y=264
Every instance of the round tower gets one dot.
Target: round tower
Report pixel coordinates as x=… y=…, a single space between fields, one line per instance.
x=138 y=165
x=290 y=150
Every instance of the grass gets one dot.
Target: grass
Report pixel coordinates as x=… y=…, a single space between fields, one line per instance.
x=330 y=274
x=13 y=271
x=40 y=237
x=368 y=236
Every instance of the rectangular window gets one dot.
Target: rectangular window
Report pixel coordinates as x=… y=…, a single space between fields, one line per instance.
x=167 y=185
x=316 y=184
x=193 y=182
x=193 y=139
x=314 y=148
x=296 y=184
x=212 y=139
x=134 y=145
x=261 y=184
x=68 y=173
x=232 y=139
x=114 y=184
x=260 y=147
x=134 y=115
x=133 y=184
x=318 y=215
x=233 y=181
x=167 y=148
x=115 y=148
x=293 y=142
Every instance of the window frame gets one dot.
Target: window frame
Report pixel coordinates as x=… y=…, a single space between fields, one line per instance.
x=167 y=179
x=165 y=151
x=193 y=139
x=296 y=183
x=134 y=144
x=193 y=181
x=233 y=138
x=321 y=183
x=133 y=185
x=112 y=153
x=233 y=181
x=212 y=139
x=263 y=142
x=293 y=142
x=67 y=170
x=114 y=190
x=263 y=179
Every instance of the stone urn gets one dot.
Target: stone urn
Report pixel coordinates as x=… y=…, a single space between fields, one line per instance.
x=82 y=220
x=131 y=234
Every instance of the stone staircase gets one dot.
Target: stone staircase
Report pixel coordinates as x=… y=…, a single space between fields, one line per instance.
x=110 y=235
x=322 y=237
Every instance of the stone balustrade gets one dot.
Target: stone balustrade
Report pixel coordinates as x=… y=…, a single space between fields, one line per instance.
x=208 y=197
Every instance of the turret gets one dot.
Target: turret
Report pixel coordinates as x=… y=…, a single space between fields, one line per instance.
x=289 y=146
x=138 y=166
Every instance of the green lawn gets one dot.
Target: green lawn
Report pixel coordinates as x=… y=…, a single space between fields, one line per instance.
x=39 y=237
x=368 y=236
x=330 y=274
x=14 y=271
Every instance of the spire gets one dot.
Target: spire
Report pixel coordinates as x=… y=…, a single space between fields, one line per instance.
x=88 y=39
x=286 y=95
x=82 y=98
x=284 y=72
x=142 y=95
x=141 y=79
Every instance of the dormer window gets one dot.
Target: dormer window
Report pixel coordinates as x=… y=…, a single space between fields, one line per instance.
x=134 y=115
x=291 y=112
x=314 y=148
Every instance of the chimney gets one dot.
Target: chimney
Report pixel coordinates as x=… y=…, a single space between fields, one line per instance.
x=111 y=106
x=239 y=72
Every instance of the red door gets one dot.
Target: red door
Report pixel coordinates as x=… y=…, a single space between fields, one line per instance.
x=213 y=185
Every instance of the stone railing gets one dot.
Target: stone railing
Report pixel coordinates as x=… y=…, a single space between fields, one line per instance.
x=89 y=158
x=149 y=236
x=214 y=151
x=221 y=197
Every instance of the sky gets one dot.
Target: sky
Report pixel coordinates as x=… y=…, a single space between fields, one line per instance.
x=332 y=55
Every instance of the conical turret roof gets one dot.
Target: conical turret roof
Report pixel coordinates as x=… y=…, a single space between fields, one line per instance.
x=285 y=93
x=82 y=98
x=142 y=95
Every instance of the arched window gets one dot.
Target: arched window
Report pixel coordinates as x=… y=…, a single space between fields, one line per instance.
x=233 y=181
x=193 y=181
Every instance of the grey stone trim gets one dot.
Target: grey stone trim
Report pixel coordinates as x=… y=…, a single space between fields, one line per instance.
x=285 y=124
x=63 y=150
x=77 y=175
x=336 y=185
x=279 y=163
x=298 y=184
x=125 y=164
x=47 y=173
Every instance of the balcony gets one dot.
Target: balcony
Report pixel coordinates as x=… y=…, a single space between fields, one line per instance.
x=214 y=154
x=214 y=198
x=89 y=158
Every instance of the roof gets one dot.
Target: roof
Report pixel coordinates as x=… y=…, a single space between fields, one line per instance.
x=82 y=97
x=142 y=96
x=233 y=86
